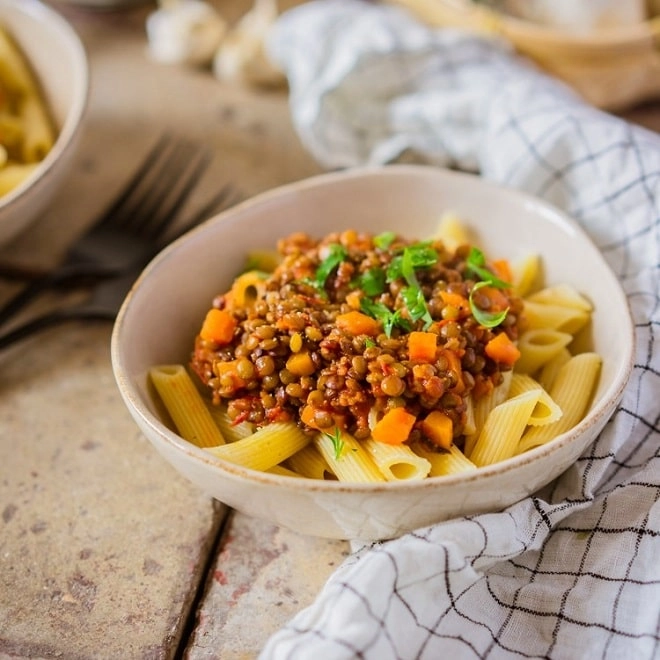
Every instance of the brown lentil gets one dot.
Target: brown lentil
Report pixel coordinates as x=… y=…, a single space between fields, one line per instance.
x=288 y=352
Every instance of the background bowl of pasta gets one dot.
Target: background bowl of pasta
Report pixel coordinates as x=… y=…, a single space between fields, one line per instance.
x=569 y=295
x=46 y=67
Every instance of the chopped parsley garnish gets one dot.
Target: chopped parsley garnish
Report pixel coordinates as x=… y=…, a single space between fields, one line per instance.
x=413 y=297
x=384 y=240
x=337 y=442
x=476 y=263
x=385 y=315
x=372 y=282
x=487 y=319
x=337 y=254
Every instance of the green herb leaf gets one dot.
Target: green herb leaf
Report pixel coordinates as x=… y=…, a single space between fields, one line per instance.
x=415 y=302
x=337 y=254
x=476 y=263
x=372 y=282
x=384 y=240
x=487 y=319
x=369 y=342
x=337 y=442
x=390 y=319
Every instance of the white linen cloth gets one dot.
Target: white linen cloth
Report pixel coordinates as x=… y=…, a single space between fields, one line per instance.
x=573 y=572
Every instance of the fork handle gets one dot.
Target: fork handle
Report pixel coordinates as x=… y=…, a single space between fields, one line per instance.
x=68 y=274
x=50 y=320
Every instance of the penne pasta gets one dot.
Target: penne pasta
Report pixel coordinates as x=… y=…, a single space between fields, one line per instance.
x=228 y=428
x=546 y=410
x=185 y=405
x=349 y=461
x=548 y=372
x=265 y=448
x=561 y=294
x=482 y=407
x=452 y=231
x=33 y=134
x=283 y=471
x=504 y=427
x=451 y=461
x=308 y=462
x=526 y=274
x=539 y=346
x=556 y=317
x=397 y=462
x=572 y=391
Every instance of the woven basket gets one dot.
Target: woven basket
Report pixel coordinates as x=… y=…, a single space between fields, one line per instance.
x=612 y=68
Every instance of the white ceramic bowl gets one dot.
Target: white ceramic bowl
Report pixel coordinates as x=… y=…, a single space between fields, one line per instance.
x=161 y=316
x=59 y=61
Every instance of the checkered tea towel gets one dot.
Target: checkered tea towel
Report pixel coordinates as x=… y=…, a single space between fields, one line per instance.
x=573 y=572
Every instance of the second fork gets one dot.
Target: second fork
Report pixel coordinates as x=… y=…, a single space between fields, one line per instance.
x=132 y=229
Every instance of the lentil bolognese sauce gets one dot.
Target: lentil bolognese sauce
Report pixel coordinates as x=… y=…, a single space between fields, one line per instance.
x=352 y=326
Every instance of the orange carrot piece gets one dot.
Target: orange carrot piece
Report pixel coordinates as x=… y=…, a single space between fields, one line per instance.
x=218 y=326
x=357 y=323
x=394 y=427
x=229 y=368
x=498 y=301
x=501 y=349
x=438 y=428
x=455 y=365
x=461 y=303
x=503 y=270
x=421 y=346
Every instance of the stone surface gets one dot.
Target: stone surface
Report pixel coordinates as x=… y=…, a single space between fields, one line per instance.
x=262 y=576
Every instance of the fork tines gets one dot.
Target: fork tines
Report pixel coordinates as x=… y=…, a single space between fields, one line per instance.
x=160 y=187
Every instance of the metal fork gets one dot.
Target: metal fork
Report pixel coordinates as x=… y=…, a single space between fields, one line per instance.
x=103 y=305
x=131 y=230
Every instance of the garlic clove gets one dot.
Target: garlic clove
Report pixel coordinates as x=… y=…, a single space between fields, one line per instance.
x=241 y=56
x=184 y=32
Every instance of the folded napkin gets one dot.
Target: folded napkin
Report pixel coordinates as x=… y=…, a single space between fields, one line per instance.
x=573 y=572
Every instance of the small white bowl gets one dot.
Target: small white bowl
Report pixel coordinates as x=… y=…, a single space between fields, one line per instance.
x=58 y=58
x=159 y=319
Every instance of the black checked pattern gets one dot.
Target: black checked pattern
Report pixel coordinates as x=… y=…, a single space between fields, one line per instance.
x=573 y=572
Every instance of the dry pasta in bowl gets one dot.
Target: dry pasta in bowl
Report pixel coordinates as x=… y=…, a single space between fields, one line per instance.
x=369 y=358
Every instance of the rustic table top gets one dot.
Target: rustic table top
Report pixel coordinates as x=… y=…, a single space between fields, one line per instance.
x=105 y=551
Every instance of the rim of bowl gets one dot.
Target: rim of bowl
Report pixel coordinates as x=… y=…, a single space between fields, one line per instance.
x=74 y=116
x=603 y=408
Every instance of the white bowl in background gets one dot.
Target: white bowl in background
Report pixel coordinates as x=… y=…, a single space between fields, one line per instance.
x=161 y=316
x=58 y=58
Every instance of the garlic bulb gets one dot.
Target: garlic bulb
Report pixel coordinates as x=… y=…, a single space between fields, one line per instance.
x=241 y=55
x=184 y=32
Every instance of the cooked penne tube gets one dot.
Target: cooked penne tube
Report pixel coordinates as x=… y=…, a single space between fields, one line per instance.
x=504 y=427
x=482 y=407
x=397 y=462
x=283 y=471
x=349 y=461
x=572 y=391
x=526 y=274
x=230 y=430
x=265 y=448
x=548 y=372
x=557 y=317
x=561 y=294
x=246 y=288
x=546 y=410
x=185 y=405
x=451 y=461
x=452 y=231
x=13 y=174
x=20 y=84
x=308 y=462
x=539 y=346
